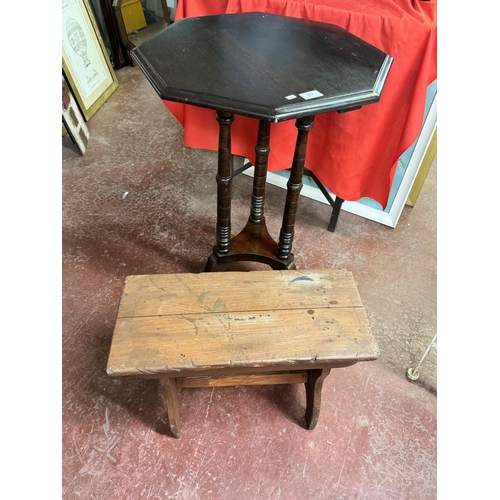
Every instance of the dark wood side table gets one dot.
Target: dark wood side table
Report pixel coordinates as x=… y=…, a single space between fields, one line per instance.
x=271 y=68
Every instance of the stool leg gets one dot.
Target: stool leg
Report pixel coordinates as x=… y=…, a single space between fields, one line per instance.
x=224 y=179
x=259 y=177
x=314 y=385
x=294 y=186
x=172 y=400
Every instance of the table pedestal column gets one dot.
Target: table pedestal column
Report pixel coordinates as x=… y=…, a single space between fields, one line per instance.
x=294 y=187
x=224 y=179
x=253 y=243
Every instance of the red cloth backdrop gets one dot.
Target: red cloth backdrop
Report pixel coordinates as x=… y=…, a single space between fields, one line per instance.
x=354 y=154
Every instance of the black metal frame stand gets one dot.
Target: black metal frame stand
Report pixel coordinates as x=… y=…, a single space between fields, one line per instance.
x=335 y=204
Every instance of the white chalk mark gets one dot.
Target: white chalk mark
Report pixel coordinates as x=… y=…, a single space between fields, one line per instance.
x=367 y=380
x=105 y=426
x=208 y=407
x=108 y=449
x=345 y=457
x=113 y=459
x=77 y=449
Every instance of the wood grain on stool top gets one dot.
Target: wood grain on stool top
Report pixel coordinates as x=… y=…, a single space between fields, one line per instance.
x=194 y=322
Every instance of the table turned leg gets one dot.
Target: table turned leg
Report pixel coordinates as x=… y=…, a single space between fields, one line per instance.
x=314 y=385
x=172 y=401
x=294 y=186
x=260 y=173
x=224 y=182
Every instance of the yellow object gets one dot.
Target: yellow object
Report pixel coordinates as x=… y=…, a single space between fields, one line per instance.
x=423 y=170
x=133 y=16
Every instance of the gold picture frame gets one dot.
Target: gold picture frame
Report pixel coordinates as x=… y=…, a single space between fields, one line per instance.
x=85 y=62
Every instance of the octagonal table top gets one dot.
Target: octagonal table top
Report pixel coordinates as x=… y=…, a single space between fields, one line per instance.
x=263 y=66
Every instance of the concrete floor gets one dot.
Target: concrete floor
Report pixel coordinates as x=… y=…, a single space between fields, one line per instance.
x=139 y=202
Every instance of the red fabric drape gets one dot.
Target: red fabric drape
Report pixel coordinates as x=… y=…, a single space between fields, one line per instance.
x=353 y=154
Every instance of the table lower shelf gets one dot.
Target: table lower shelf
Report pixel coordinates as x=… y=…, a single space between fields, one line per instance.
x=252 y=244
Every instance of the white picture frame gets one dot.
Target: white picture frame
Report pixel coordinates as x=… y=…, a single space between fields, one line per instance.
x=85 y=62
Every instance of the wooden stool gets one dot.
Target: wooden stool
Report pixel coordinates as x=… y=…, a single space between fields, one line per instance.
x=240 y=328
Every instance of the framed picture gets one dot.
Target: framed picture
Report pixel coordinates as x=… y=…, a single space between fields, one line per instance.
x=85 y=62
x=73 y=121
